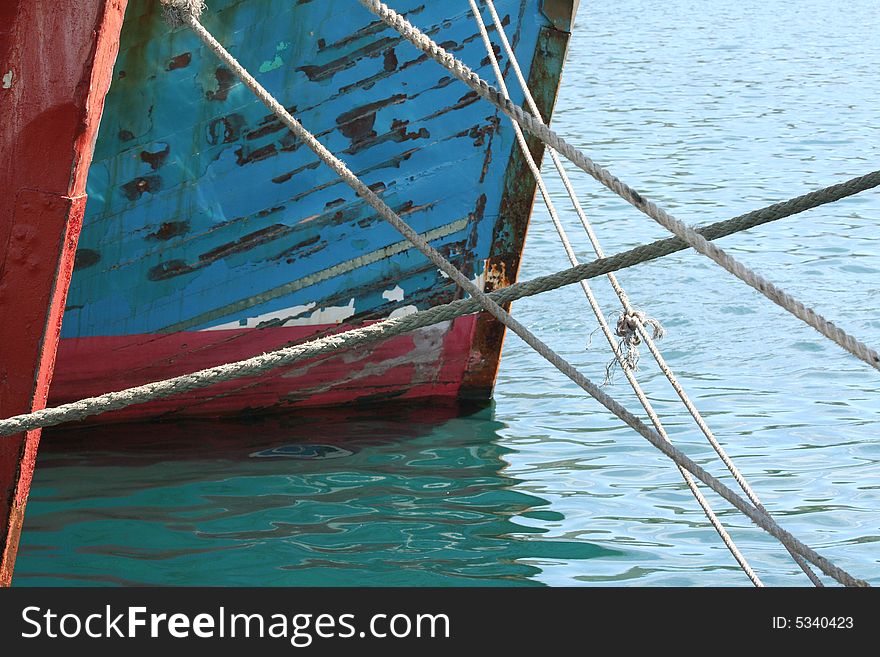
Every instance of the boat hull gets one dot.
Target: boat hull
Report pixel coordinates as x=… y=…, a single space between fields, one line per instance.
x=212 y=235
x=56 y=62
x=429 y=362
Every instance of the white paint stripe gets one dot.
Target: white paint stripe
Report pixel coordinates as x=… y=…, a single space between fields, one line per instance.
x=294 y=316
x=313 y=279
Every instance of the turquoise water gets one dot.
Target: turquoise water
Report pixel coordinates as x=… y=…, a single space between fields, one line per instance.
x=709 y=108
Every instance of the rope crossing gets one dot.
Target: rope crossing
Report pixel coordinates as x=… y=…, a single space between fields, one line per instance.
x=186 y=12
x=111 y=401
x=625 y=351
x=632 y=326
x=540 y=130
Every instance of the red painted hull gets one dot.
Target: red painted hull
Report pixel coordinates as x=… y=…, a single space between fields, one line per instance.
x=430 y=362
x=59 y=57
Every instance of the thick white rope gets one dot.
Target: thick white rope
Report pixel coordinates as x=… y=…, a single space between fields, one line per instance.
x=630 y=315
x=594 y=303
x=758 y=517
x=538 y=128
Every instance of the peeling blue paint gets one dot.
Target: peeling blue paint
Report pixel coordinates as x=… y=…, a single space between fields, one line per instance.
x=200 y=200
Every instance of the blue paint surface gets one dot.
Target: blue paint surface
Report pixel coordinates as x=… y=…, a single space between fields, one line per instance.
x=199 y=199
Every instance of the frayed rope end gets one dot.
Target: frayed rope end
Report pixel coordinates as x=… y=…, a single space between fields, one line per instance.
x=627 y=351
x=175 y=11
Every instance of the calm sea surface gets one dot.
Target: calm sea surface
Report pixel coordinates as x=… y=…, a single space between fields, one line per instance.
x=709 y=108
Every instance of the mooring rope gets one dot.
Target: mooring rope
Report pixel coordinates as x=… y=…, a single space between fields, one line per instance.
x=625 y=359
x=633 y=324
x=269 y=361
x=81 y=409
x=354 y=338
x=538 y=128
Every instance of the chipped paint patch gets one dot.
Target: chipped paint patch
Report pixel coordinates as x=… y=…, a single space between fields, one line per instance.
x=317 y=277
x=6 y=82
x=293 y=316
x=276 y=63
x=403 y=312
x=394 y=294
x=495 y=276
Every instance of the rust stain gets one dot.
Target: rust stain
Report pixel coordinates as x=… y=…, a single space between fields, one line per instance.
x=136 y=188
x=302 y=249
x=357 y=123
x=560 y=12
x=168 y=230
x=497 y=50
x=483 y=135
x=225 y=81
x=225 y=129
x=265 y=213
x=398 y=133
x=181 y=61
x=413 y=62
x=509 y=231
x=370 y=81
x=371 y=29
x=85 y=258
x=397 y=160
x=319 y=73
x=290 y=143
x=390 y=62
x=246 y=242
x=487 y=160
x=409 y=207
x=157 y=159
x=290 y=174
x=268 y=127
x=469 y=98
x=242 y=158
x=479 y=133
x=168 y=269
x=496 y=275
x=480 y=208
x=176 y=267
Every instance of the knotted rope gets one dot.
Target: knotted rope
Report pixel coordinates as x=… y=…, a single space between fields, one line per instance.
x=175 y=11
x=629 y=330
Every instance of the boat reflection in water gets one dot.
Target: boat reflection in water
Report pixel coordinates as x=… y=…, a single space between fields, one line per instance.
x=418 y=497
